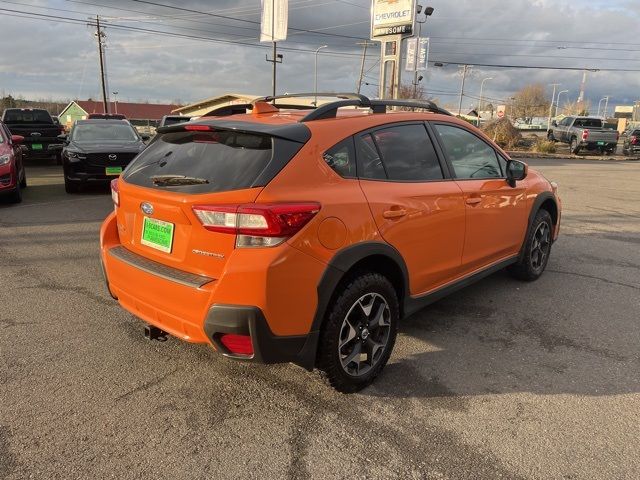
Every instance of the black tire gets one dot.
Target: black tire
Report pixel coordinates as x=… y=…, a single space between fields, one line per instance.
x=70 y=187
x=573 y=146
x=550 y=137
x=537 y=249
x=16 y=195
x=58 y=158
x=348 y=330
x=23 y=182
x=625 y=152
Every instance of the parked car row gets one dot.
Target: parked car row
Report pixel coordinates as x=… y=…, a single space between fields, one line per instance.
x=13 y=176
x=584 y=133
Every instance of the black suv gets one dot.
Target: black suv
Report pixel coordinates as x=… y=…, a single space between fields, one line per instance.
x=98 y=151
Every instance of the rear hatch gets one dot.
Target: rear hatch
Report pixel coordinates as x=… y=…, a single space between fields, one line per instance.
x=189 y=166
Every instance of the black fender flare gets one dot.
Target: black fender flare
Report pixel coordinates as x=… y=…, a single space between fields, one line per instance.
x=335 y=272
x=537 y=203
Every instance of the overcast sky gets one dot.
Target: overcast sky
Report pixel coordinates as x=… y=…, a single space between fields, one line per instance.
x=58 y=60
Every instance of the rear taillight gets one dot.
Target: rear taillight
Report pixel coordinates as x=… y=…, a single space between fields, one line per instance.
x=585 y=134
x=634 y=140
x=257 y=225
x=237 y=344
x=197 y=128
x=115 y=195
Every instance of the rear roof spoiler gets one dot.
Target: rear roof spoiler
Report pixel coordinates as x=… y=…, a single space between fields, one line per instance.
x=296 y=132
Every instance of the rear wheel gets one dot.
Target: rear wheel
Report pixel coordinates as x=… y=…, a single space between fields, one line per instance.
x=573 y=146
x=359 y=332
x=536 y=249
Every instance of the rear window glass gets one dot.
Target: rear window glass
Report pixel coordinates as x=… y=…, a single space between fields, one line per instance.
x=588 y=122
x=27 y=116
x=173 y=120
x=212 y=161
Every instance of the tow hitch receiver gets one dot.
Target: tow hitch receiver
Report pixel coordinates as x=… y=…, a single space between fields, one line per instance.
x=155 y=333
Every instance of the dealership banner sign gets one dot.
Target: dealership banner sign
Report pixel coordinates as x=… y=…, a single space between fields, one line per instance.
x=274 y=21
x=392 y=17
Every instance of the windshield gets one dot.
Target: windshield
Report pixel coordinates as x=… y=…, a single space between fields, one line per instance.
x=588 y=122
x=27 y=116
x=104 y=132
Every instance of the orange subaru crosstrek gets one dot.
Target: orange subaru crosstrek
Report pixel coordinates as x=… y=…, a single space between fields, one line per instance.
x=305 y=236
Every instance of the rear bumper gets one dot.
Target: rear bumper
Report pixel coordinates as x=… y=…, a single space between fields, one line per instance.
x=263 y=301
x=593 y=145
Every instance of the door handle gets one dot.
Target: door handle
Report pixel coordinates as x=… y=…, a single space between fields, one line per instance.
x=473 y=200
x=396 y=213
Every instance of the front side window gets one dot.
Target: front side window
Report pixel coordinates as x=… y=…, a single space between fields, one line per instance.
x=407 y=153
x=342 y=159
x=470 y=157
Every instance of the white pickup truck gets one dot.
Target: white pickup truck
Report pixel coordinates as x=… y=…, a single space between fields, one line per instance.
x=584 y=133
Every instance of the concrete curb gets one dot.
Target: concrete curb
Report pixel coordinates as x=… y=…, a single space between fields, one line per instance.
x=566 y=156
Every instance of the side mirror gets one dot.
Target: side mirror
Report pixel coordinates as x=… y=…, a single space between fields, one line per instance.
x=63 y=137
x=145 y=137
x=516 y=171
x=554 y=123
x=18 y=139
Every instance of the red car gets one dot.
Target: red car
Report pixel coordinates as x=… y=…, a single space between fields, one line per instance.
x=13 y=177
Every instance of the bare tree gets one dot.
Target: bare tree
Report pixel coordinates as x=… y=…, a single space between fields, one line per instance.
x=575 y=108
x=530 y=101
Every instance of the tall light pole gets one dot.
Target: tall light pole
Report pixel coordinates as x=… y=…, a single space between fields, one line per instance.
x=553 y=97
x=600 y=103
x=315 y=75
x=558 y=100
x=480 y=100
x=427 y=13
x=606 y=106
x=115 y=101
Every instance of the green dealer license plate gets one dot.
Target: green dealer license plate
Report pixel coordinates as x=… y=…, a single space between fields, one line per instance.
x=601 y=143
x=36 y=146
x=113 y=170
x=157 y=234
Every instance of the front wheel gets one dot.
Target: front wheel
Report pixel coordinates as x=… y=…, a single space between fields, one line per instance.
x=70 y=187
x=23 y=182
x=359 y=332
x=573 y=146
x=550 y=137
x=537 y=249
x=16 y=195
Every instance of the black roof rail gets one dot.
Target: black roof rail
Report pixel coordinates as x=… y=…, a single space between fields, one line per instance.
x=346 y=96
x=380 y=106
x=329 y=110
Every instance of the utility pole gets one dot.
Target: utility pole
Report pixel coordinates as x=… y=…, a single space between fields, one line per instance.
x=606 y=106
x=100 y=35
x=480 y=100
x=365 y=44
x=465 y=67
x=553 y=97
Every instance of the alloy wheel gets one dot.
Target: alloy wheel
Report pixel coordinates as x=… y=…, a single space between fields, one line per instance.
x=540 y=245
x=364 y=334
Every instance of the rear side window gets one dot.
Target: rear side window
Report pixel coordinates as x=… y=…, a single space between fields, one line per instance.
x=588 y=123
x=369 y=162
x=407 y=153
x=470 y=157
x=210 y=161
x=342 y=158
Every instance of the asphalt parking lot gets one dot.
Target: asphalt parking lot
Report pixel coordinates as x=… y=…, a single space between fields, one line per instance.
x=501 y=380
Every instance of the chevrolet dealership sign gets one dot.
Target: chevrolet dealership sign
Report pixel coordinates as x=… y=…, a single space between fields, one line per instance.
x=392 y=17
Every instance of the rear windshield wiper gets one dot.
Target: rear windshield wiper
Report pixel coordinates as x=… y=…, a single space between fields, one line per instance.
x=175 y=180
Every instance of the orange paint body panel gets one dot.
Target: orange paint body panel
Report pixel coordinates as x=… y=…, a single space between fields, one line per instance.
x=216 y=278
